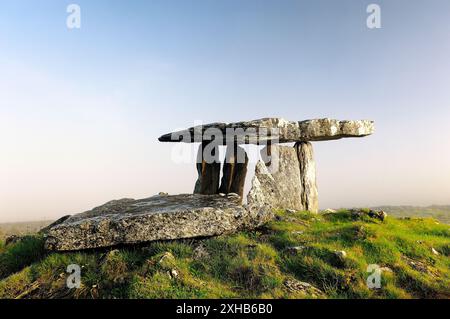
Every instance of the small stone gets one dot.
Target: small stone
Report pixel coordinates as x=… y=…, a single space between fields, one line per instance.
x=381 y=215
x=291 y=211
x=163 y=194
x=233 y=195
x=222 y=194
x=173 y=274
x=298 y=232
x=340 y=254
x=434 y=251
x=329 y=211
x=297 y=286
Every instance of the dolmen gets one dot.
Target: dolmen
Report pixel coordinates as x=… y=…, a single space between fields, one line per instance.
x=284 y=178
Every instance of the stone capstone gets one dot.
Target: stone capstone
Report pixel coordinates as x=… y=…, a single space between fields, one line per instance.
x=130 y=221
x=273 y=130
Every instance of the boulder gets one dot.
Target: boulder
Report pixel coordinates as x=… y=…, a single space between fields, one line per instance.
x=130 y=221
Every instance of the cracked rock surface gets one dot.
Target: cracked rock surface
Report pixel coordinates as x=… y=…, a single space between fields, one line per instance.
x=274 y=130
x=129 y=221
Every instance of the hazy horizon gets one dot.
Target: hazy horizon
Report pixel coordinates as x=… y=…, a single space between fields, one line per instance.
x=81 y=109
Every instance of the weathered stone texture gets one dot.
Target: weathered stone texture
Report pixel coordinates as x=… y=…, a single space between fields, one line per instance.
x=234 y=171
x=208 y=169
x=277 y=185
x=307 y=165
x=275 y=130
x=287 y=180
x=129 y=221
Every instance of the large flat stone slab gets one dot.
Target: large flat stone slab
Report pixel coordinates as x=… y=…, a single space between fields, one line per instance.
x=129 y=221
x=274 y=130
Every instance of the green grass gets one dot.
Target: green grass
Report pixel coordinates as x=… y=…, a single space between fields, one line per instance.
x=253 y=264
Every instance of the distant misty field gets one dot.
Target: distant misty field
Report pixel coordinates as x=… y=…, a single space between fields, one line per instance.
x=441 y=213
x=24 y=228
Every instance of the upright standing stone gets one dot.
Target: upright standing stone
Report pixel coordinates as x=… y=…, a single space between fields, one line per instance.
x=310 y=199
x=234 y=170
x=278 y=184
x=208 y=168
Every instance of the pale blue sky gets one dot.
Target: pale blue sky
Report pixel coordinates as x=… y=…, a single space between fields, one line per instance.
x=80 y=110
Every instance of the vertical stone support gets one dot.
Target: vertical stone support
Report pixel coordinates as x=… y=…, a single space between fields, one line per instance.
x=208 y=168
x=309 y=196
x=276 y=183
x=234 y=170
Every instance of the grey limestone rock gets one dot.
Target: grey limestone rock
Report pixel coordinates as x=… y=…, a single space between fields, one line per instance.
x=130 y=221
x=274 y=130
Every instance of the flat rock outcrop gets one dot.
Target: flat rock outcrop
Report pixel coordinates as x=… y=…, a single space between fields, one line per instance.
x=129 y=221
x=273 y=130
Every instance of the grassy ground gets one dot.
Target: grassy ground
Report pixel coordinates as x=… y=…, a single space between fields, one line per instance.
x=257 y=264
